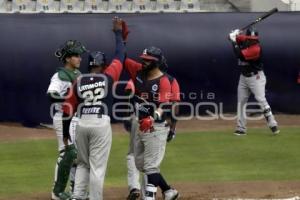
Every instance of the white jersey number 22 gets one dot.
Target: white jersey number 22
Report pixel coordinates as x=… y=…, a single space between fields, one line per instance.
x=93 y=98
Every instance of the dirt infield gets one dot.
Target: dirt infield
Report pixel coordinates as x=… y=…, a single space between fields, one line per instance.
x=205 y=191
x=188 y=191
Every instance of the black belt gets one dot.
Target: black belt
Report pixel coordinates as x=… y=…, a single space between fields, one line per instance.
x=249 y=74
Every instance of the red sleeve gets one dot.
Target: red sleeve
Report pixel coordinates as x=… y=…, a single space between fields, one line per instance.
x=175 y=91
x=252 y=52
x=114 y=70
x=132 y=67
x=164 y=90
x=242 y=38
x=130 y=86
x=71 y=102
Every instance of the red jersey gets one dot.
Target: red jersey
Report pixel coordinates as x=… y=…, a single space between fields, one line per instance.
x=150 y=94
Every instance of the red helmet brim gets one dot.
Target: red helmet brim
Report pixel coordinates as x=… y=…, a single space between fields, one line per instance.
x=148 y=57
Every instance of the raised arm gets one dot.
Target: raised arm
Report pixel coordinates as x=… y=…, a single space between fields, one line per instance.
x=115 y=68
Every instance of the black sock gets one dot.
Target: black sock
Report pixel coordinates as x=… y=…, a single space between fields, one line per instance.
x=158 y=180
x=163 y=184
x=154 y=179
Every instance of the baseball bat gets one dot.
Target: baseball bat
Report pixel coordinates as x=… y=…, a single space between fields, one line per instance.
x=264 y=16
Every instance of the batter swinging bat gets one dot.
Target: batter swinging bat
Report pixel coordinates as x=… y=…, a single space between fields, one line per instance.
x=264 y=16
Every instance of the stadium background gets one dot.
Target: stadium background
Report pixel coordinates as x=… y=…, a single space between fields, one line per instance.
x=196 y=47
x=205 y=161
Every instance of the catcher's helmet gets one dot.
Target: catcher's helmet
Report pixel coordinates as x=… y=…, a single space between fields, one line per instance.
x=153 y=54
x=251 y=31
x=70 y=48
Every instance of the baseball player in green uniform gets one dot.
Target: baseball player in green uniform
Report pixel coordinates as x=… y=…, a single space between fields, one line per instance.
x=61 y=81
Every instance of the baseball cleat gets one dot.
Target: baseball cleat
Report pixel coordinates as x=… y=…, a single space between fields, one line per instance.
x=61 y=196
x=171 y=194
x=134 y=194
x=54 y=197
x=79 y=199
x=275 y=130
x=238 y=132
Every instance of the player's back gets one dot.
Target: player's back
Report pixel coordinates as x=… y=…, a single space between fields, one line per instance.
x=94 y=94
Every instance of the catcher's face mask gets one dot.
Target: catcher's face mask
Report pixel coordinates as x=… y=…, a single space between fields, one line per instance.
x=69 y=49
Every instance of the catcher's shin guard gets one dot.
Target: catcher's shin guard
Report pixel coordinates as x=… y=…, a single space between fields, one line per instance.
x=72 y=177
x=150 y=192
x=144 y=185
x=64 y=167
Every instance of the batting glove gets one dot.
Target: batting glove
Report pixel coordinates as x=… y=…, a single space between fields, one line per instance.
x=233 y=34
x=125 y=31
x=146 y=124
x=117 y=24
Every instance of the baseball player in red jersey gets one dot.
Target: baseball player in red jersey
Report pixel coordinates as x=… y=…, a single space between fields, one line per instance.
x=152 y=94
x=252 y=79
x=131 y=126
x=61 y=81
x=91 y=97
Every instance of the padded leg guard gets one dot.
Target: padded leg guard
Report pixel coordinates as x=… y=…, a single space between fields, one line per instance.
x=72 y=177
x=64 y=167
x=150 y=192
